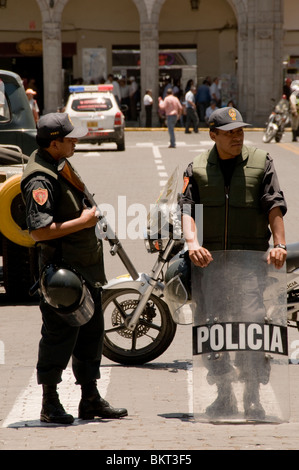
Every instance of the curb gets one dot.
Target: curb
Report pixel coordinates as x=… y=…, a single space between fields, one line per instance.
x=181 y=129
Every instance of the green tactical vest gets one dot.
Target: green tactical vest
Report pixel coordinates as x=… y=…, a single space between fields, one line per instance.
x=232 y=217
x=81 y=250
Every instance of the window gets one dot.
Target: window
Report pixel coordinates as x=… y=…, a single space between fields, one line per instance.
x=91 y=104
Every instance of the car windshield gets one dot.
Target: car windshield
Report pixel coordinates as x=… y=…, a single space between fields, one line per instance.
x=91 y=104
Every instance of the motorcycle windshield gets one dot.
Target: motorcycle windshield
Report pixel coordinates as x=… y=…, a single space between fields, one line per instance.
x=240 y=350
x=164 y=220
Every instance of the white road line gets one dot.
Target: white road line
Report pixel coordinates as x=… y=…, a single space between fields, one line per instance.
x=144 y=144
x=163 y=175
x=26 y=409
x=156 y=152
x=190 y=388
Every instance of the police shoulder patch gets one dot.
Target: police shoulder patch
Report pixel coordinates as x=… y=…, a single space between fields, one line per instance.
x=40 y=196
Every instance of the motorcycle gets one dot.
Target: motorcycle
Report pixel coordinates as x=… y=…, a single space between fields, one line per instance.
x=138 y=323
x=292 y=267
x=277 y=122
x=140 y=319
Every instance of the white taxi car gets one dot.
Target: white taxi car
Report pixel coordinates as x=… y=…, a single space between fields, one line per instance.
x=95 y=106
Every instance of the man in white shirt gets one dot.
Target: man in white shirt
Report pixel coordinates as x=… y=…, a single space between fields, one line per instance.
x=192 y=116
x=148 y=106
x=116 y=88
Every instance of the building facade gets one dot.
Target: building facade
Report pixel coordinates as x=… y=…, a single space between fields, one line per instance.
x=251 y=45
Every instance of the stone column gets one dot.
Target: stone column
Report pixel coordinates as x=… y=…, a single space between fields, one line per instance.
x=149 y=11
x=260 y=59
x=51 y=12
x=52 y=65
x=149 y=55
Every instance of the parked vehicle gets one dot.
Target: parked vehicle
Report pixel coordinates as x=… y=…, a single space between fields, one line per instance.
x=17 y=125
x=17 y=142
x=95 y=106
x=16 y=246
x=277 y=122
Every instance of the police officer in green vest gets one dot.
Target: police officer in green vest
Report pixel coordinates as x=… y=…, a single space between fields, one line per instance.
x=239 y=190
x=64 y=231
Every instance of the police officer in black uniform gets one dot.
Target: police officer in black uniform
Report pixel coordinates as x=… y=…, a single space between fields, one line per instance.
x=64 y=231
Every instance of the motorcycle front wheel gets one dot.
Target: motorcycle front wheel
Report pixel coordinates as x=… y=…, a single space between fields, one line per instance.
x=153 y=334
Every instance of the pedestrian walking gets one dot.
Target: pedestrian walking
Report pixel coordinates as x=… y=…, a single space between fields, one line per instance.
x=173 y=110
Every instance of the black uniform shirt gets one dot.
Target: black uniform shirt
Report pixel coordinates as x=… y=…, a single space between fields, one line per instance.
x=42 y=194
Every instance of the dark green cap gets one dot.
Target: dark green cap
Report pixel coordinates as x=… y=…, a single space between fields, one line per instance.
x=226 y=119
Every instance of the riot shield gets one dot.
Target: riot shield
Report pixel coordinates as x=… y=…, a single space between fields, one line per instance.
x=177 y=299
x=240 y=351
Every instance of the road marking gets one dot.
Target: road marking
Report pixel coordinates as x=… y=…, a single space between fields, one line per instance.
x=190 y=388
x=26 y=409
x=289 y=147
x=159 y=165
x=143 y=144
x=156 y=152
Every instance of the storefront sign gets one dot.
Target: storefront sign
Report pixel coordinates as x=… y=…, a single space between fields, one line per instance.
x=30 y=47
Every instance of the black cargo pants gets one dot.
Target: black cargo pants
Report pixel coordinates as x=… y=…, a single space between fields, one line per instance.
x=61 y=342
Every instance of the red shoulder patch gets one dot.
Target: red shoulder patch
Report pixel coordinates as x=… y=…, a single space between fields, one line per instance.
x=40 y=196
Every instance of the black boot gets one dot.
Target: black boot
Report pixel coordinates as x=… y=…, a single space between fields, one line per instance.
x=225 y=404
x=92 y=404
x=252 y=406
x=52 y=410
x=294 y=136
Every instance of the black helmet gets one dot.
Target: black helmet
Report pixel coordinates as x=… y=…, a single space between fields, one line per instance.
x=64 y=290
x=178 y=287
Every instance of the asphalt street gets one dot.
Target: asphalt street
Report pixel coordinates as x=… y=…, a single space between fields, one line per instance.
x=158 y=395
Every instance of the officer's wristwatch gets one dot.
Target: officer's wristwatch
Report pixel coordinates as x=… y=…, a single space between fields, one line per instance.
x=280 y=245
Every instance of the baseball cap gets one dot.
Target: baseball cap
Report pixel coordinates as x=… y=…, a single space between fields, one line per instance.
x=54 y=125
x=226 y=119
